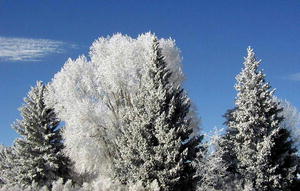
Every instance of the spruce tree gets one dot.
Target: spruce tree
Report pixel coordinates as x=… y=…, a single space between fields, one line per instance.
x=7 y=162
x=156 y=142
x=38 y=152
x=265 y=153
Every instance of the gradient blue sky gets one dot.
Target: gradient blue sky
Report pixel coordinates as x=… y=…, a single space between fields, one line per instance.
x=213 y=36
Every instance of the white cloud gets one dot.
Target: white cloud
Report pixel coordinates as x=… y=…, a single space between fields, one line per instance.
x=294 y=77
x=26 y=49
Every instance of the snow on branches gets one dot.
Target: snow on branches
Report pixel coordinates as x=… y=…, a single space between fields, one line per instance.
x=88 y=93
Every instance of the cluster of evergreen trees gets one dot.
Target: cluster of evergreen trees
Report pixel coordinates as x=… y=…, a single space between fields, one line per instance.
x=135 y=128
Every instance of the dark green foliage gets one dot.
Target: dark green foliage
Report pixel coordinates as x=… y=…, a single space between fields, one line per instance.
x=38 y=153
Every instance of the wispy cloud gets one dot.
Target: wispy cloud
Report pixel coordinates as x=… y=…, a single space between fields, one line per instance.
x=27 y=49
x=294 y=77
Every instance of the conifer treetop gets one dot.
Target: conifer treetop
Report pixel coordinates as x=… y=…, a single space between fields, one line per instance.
x=261 y=144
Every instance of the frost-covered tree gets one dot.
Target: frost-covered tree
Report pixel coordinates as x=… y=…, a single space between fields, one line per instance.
x=219 y=165
x=7 y=164
x=37 y=153
x=217 y=169
x=156 y=142
x=291 y=120
x=212 y=169
x=89 y=92
x=2 y=158
x=215 y=175
x=265 y=153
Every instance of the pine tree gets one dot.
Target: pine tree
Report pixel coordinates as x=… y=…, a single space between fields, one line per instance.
x=265 y=153
x=38 y=153
x=156 y=142
x=7 y=161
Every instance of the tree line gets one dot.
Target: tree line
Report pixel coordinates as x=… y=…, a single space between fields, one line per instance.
x=130 y=125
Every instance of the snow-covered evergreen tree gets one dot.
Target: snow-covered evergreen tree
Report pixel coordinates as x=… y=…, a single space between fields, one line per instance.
x=38 y=157
x=265 y=153
x=291 y=120
x=219 y=166
x=212 y=169
x=7 y=162
x=156 y=143
x=217 y=169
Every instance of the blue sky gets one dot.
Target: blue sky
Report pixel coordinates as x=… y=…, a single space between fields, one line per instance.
x=36 y=38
